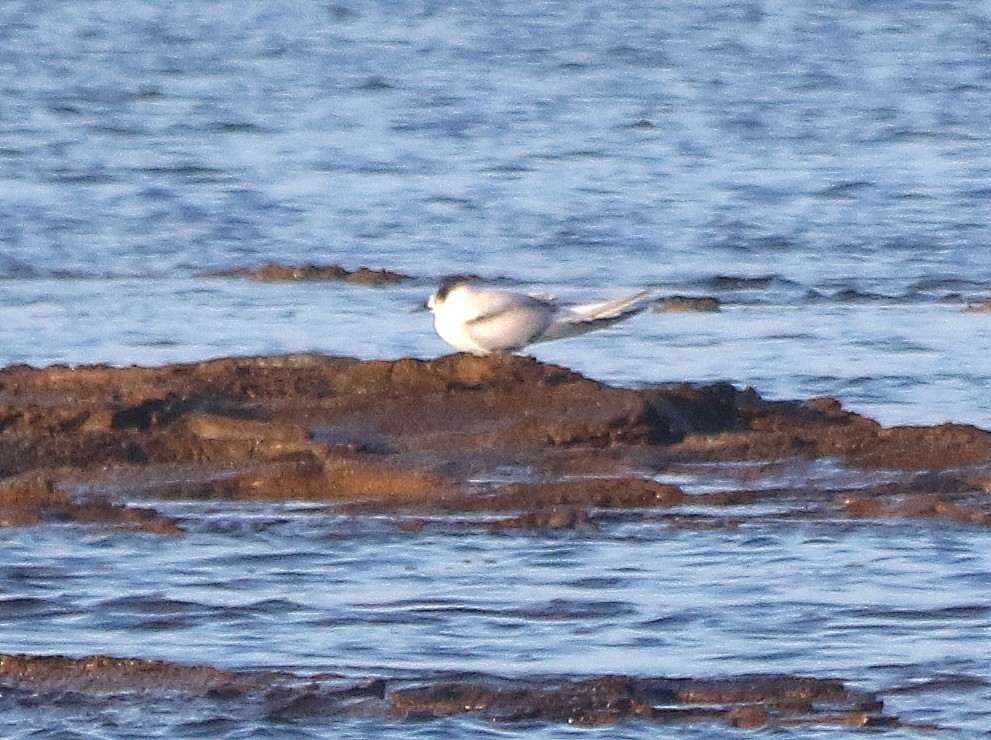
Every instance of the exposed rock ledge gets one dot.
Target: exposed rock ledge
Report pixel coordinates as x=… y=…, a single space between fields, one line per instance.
x=418 y=436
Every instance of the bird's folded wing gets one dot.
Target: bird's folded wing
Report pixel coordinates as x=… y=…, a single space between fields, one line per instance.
x=513 y=325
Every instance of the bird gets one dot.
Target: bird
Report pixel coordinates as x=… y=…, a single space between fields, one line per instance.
x=484 y=320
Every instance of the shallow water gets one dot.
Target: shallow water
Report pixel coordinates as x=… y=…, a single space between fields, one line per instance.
x=269 y=587
x=822 y=168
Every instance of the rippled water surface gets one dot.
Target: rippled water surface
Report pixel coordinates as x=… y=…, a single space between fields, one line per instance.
x=823 y=168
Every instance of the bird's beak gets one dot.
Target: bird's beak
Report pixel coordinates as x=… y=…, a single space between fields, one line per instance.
x=420 y=308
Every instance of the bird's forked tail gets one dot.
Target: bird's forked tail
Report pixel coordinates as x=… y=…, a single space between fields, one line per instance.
x=585 y=317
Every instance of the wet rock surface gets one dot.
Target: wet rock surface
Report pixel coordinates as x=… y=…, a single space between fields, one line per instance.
x=688 y=304
x=456 y=434
x=32 y=499
x=745 y=701
x=749 y=701
x=104 y=674
x=274 y=272
x=978 y=307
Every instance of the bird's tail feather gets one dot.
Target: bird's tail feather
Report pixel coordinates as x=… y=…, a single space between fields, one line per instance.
x=588 y=316
x=612 y=309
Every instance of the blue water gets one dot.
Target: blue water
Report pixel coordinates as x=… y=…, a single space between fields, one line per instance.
x=824 y=168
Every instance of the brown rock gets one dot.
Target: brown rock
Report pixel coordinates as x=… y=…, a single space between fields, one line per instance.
x=591 y=702
x=285 y=704
x=758 y=688
x=31 y=499
x=696 y=523
x=745 y=701
x=931 y=448
x=685 y=409
x=681 y=304
x=979 y=307
x=274 y=272
x=102 y=673
x=102 y=511
x=917 y=505
x=740 y=425
x=602 y=492
x=200 y=437
x=363 y=478
x=30 y=490
x=563 y=501
x=334 y=477
x=749 y=701
x=414 y=432
x=551 y=517
x=749 y=717
x=862 y=508
x=23 y=499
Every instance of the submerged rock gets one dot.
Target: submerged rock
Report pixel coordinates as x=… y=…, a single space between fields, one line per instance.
x=687 y=304
x=745 y=701
x=32 y=499
x=275 y=272
x=750 y=701
x=979 y=307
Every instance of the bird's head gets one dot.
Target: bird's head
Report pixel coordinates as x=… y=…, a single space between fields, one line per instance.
x=446 y=287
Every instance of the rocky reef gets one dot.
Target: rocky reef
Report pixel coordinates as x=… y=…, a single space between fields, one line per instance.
x=417 y=436
x=501 y=442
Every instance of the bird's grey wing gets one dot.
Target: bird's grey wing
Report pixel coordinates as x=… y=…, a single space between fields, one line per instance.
x=512 y=324
x=578 y=319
